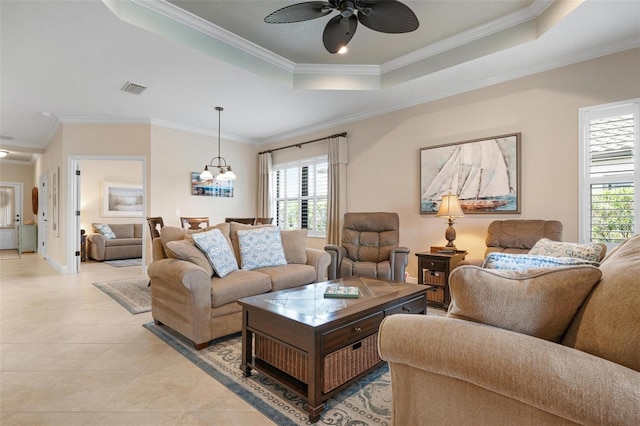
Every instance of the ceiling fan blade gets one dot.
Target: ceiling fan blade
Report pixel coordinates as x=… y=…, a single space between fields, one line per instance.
x=387 y=16
x=338 y=32
x=299 y=12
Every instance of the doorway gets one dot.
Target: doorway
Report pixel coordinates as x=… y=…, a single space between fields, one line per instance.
x=10 y=214
x=86 y=177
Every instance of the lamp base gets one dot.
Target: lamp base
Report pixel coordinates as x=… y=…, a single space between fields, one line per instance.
x=450 y=235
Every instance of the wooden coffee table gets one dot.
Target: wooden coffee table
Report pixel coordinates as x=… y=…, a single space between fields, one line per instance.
x=316 y=346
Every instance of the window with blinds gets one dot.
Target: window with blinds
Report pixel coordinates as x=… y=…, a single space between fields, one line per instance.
x=609 y=202
x=300 y=195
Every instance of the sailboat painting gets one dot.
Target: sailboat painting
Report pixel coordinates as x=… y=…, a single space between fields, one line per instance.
x=484 y=173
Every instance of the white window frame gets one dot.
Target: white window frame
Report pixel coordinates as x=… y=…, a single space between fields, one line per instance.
x=586 y=115
x=314 y=194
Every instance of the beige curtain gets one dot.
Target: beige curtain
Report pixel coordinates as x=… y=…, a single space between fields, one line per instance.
x=264 y=184
x=337 y=203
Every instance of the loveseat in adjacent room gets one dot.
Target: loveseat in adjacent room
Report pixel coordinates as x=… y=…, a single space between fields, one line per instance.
x=115 y=241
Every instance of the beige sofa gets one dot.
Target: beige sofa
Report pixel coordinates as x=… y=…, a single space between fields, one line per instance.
x=126 y=245
x=187 y=297
x=451 y=371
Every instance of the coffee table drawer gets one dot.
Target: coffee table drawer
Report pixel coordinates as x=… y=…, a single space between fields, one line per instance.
x=417 y=305
x=352 y=332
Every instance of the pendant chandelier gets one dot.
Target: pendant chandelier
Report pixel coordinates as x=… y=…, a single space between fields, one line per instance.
x=224 y=170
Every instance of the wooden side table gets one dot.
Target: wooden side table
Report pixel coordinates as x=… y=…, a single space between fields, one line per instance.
x=433 y=270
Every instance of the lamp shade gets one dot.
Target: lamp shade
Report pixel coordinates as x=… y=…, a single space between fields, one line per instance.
x=450 y=206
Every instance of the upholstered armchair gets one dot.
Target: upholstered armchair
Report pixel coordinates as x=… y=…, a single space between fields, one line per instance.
x=370 y=247
x=517 y=236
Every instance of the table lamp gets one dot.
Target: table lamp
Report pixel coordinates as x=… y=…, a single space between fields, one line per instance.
x=450 y=207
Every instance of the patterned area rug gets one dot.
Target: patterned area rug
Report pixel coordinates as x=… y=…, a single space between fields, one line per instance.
x=124 y=262
x=9 y=254
x=367 y=402
x=134 y=293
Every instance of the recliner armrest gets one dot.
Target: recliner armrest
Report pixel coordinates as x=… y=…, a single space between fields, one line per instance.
x=398 y=260
x=336 y=254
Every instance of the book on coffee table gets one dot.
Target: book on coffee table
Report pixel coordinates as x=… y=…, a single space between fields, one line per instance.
x=340 y=291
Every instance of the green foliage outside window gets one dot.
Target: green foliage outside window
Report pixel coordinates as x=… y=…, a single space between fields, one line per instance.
x=612 y=213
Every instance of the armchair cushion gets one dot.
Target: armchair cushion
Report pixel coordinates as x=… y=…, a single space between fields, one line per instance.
x=541 y=303
x=523 y=262
x=590 y=252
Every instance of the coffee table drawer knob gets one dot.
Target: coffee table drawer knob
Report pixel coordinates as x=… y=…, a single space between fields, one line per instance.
x=357 y=330
x=406 y=309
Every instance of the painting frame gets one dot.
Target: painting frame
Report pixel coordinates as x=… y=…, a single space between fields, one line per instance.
x=131 y=194
x=211 y=187
x=484 y=173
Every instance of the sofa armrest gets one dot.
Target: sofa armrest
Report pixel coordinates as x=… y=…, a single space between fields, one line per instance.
x=336 y=253
x=398 y=260
x=537 y=373
x=181 y=297
x=319 y=260
x=472 y=262
x=96 y=246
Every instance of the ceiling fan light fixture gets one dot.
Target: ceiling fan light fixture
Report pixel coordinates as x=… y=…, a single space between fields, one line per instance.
x=343 y=50
x=3 y=153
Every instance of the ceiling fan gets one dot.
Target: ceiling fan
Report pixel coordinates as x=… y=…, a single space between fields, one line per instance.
x=385 y=16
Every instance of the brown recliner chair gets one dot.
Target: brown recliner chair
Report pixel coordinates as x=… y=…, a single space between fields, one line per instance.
x=370 y=247
x=517 y=236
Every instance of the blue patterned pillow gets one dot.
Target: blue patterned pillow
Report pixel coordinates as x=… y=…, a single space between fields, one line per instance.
x=546 y=247
x=105 y=230
x=260 y=248
x=522 y=262
x=216 y=248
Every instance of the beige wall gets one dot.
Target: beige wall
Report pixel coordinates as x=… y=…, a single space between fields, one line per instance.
x=543 y=107
x=175 y=154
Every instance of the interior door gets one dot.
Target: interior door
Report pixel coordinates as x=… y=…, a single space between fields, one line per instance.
x=10 y=214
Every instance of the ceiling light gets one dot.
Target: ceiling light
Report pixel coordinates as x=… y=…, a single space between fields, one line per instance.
x=224 y=170
x=3 y=153
x=343 y=50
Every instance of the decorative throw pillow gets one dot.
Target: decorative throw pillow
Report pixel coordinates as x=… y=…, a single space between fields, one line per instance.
x=294 y=243
x=233 y=234
x=105 y=230
x=171 y=233
x=540 y=303
x=260 y=248
x=522 y=262
x=546 y=247
x=187 y=250
x=215 y=247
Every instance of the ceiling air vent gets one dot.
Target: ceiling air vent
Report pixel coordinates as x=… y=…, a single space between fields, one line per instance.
x=136 y=89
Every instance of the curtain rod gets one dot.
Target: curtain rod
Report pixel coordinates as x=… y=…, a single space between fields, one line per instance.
x=299 y=145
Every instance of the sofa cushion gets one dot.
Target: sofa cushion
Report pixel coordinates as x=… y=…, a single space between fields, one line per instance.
x=294 y=243
x=215 y=247
x=260 y=248
x=608 y=325
x=122 y=230
x=289 y=276
x=546 y=247
x=171 y=233
x=539 y=302
x=522 y=262
x=105 y=230
x=119 y=242
x=236 y=285
x=187 y=250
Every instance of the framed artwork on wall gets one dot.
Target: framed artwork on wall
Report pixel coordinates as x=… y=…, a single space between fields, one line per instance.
x=211 y=187
x=121 y=199
x=484 y=173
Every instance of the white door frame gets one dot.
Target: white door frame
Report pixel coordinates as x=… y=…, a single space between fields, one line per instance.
x=43 y=213
x=73 y=205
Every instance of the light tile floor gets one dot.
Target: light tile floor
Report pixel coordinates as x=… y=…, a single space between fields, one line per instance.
x=71 y=355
